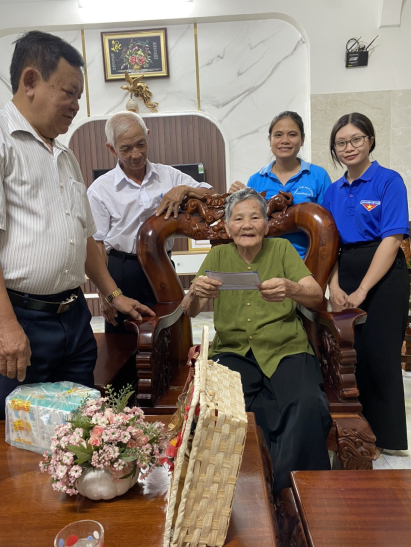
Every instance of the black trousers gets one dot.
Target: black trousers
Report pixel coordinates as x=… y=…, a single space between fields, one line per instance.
x=132 y=280
x=291 y=409
x=63 y=347
x=378 y=343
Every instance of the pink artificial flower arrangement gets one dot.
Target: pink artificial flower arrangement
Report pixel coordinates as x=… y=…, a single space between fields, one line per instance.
x=104 y=433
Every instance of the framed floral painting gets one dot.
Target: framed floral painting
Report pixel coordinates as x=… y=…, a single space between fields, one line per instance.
x=199 y=245
x=137 y=52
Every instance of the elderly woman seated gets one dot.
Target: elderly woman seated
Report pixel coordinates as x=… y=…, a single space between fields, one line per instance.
x=259 y=335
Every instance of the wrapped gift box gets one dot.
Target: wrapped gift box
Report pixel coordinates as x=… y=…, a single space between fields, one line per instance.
x=34 y=410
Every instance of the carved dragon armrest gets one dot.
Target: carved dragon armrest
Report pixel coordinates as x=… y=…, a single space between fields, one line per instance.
x=154 y=359
x=149 y=327
x=335 y=337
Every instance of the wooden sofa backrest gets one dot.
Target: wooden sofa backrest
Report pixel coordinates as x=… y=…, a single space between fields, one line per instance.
x=204 y=219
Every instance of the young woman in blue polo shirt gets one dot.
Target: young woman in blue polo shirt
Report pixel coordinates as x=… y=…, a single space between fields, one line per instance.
x=306 y=182
x=369 y=206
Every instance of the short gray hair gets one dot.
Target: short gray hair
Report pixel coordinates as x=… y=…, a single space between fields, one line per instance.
x=242 y=195
x=121 y=122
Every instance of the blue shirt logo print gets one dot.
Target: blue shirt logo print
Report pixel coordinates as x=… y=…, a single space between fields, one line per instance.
x=304 y=191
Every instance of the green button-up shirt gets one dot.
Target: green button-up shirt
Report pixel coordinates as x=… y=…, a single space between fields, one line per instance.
x=243 y=320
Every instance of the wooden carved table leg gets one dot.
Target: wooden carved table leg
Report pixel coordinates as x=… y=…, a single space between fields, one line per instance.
x=291 y=529
x=268 y=474
x=355 y=440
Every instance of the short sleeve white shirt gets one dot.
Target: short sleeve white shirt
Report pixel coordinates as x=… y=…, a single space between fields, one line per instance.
x=120 y=205
x=45 y=217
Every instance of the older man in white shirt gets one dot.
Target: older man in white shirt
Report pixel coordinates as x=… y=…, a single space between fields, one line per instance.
x=122 y=199
x=46 y=226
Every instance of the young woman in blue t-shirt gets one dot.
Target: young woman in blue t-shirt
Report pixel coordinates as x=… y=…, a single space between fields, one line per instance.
x=287 y=172
x=369 y=206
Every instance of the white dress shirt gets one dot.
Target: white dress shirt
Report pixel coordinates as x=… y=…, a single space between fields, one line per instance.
x=120 y=205
x=45 y=217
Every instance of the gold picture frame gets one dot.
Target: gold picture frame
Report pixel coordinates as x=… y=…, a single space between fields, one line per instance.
x=137 y=52
x=198 y=245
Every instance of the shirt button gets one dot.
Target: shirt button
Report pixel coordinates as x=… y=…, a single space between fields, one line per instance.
x=248 y=304
x=249 y=268
x=248 y=319
x=250 y=337
x=350 y=195
x=61 y=185
x=67 y=212
x=66 y=271
x=71 y=241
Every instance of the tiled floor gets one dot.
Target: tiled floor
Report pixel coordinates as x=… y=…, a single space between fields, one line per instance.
x=398 y=460
x=402 y=458
x=97 y=324
x=205 y=318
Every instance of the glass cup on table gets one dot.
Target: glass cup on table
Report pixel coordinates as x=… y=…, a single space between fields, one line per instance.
x=82 y=533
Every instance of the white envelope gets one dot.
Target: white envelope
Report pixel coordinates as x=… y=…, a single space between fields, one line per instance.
x=236 y=281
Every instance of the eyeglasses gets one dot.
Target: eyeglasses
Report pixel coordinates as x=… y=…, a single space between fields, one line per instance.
x=356 y=142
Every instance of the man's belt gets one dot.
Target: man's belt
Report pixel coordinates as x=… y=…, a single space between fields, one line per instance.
x=127 y=256
x=56 y=305
x=123 y=256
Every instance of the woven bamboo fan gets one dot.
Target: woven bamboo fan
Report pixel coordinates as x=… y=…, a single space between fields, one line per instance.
x=209 y=458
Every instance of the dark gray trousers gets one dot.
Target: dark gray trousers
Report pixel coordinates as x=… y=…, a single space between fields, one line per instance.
x=291 y=409
x=378 y=342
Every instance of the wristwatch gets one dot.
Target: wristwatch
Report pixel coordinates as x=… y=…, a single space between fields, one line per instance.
x=109 y=298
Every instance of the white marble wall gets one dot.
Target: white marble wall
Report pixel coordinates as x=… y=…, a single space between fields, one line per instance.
x=175 y=94
x=249 y=71
x=390 y=113
x=400 y=152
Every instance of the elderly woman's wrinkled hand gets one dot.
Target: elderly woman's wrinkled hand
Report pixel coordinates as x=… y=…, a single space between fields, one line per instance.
x=274 y=290
x=205 y=287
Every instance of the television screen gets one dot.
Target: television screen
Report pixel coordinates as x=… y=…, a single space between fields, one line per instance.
x=195 y=170
x=98 y=172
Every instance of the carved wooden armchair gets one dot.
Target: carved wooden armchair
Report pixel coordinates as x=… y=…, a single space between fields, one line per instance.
x=165 y=340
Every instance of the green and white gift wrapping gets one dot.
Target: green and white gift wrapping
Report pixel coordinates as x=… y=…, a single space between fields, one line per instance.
x=34 y=410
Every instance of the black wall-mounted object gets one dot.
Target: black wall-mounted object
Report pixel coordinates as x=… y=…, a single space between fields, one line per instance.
x=357 y=52
x=356 y=58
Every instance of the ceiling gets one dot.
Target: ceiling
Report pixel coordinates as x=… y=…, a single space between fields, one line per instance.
x=27 y=1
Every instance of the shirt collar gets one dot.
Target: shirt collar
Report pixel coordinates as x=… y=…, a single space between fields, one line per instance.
x=304 y=166
x=365 y=177
x=267 y=169
x=119 y=174
x=17 y=122
x=151 y=172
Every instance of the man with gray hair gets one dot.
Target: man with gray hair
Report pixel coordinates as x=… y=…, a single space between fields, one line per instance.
x=46 y=226
x=123 y=198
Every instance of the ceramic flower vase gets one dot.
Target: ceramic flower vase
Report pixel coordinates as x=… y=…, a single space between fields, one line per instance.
x=100 y=484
